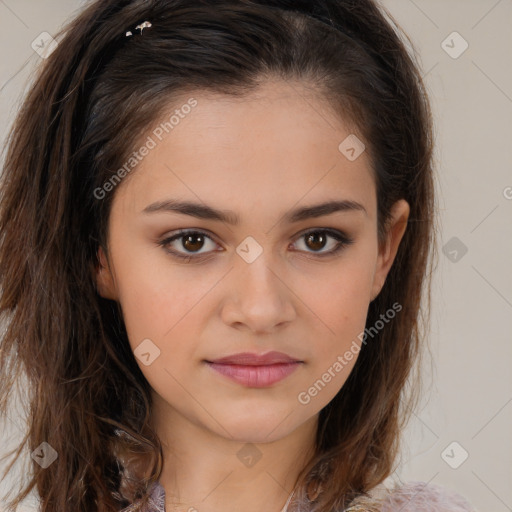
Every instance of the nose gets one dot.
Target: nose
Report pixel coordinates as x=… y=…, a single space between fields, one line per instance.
x=258 y=298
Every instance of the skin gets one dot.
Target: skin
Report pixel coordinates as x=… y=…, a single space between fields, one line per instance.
x=259 y=157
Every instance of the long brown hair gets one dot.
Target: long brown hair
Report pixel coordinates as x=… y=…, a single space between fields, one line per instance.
x=94 y=97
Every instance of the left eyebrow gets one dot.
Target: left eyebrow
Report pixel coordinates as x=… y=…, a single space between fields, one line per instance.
x=202 y=211
x=319 y=210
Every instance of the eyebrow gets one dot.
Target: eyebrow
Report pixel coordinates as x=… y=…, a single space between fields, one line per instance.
x=202 y=211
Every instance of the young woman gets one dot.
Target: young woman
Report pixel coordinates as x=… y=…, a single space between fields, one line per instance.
x=217 y=224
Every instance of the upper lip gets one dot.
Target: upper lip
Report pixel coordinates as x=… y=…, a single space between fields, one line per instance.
x=252 y=359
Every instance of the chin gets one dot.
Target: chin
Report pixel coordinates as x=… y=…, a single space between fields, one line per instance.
x=257 y=428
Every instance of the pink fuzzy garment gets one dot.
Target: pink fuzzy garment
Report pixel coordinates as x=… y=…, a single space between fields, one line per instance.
x=422 y=497
x=409 y=497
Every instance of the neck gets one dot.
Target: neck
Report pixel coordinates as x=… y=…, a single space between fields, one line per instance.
x=206 y=472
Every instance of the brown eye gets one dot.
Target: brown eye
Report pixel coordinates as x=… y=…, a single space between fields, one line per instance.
x=319 y=239
x=316 y=240
x=193 y=242
x=188 y=244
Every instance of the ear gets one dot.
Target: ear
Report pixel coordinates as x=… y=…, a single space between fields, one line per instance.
x=388 y=248
x=104 y=278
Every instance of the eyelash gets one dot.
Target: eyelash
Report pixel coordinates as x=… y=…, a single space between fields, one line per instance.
x=342 y=239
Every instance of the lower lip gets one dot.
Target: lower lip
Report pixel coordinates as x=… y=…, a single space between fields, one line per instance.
x=255 y=376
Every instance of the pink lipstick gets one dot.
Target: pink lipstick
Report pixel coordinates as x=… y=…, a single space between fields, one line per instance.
x=254 y=370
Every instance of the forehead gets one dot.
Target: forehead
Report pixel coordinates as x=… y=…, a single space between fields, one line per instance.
x=276 y=146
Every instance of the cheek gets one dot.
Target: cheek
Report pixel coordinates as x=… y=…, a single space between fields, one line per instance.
x=340 y=302
x=160 y=301
x=338 y=340
x=340 y=295
x=170 y=314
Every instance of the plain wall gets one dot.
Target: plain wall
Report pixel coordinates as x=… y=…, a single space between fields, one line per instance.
x=470 y=401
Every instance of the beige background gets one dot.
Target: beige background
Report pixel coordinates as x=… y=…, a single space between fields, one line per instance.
x=470 y=402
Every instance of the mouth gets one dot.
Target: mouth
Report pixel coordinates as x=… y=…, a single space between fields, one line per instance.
x=256 y=370
x=255 y=376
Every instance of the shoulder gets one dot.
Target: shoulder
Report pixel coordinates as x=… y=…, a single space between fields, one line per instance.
x=155 y=502
x=157 y=498
x=410 y=497
x=423 y=497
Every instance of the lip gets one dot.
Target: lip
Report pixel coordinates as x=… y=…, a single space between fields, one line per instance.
x=253 y=359
x=255 y=370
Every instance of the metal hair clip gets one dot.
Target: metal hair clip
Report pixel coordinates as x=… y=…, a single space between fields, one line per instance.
x=140 y=27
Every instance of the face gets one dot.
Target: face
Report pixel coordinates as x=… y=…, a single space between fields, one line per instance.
x=256 y=266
